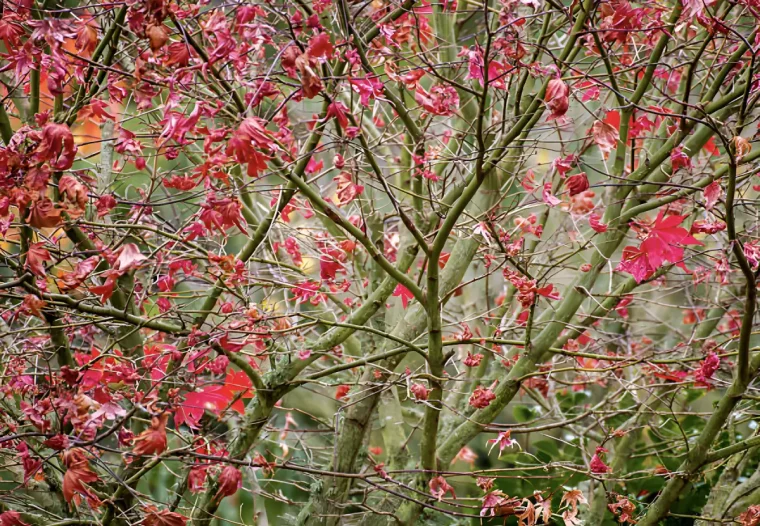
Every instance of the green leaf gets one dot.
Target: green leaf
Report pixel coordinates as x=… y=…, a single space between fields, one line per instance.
x=523 y=413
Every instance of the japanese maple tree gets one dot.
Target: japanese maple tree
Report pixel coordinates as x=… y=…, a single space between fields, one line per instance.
x=379 y=262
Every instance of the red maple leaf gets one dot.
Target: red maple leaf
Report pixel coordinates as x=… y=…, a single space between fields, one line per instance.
x=712 y=192
x=72 y=280
x=152 y=441
x=154 y=517
x=404 y=293
x=338 y=110
x=77 y=474
x=235 y=383
x=557 y=99
x=36 y=257
x=215 y=398
x=710 y=147
x=320 y=46
x=549 y=292
x=346 y=190
x=664 y=243
x=605 y=136
x=105 y=291
x=635 y=263
x=666 y=239
x=44 y=214
x=128 y=257
x=57 y=146
x=197 y=402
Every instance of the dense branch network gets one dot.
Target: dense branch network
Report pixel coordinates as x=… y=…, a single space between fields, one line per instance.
x=345 y=262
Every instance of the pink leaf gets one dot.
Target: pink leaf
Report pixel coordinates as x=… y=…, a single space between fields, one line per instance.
x=597 y=465
x=529 y=181
x=605 y=136
x=713 y=192
x=128 y=257
x=548 y=197
x=439 y=487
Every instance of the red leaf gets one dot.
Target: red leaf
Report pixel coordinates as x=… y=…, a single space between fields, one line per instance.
x=751 y=517
x=679 y=159
x=742 y=146
x=707 y=227
x=624 y=510
x=105 y=291
x=77 y=474
x=196 y=403
x=33 y=305
x=157 y=35
x=367 y=88
x=529 y=181
x=320 y=46
x=482 y=397
x=57 y=442
x=152 y=441
x=72 y=280
x=342 y=391
x=44 y=214
x=248 y=144
x=613 y=119
x=711 y=148
x=11 y=518
x=595 y=222
x=557 y=99
x=163 y=518
x=404 y=293
x=419 y=391
x=665 y=240
x=635 y=263
x=95 y=111
x=504 y=440
x=442 y=100
x=237 y=382
x=57 y=146
x=706 y=370
x=597 y=465
x=338 y=110
x=196 y=479
x=105 y=204
x=311 y=84
x=230 y=481
x=347 y=190
x=74 y=194
x=549 y=292
x=663 y=244
x=36 y=257
x=577 y=183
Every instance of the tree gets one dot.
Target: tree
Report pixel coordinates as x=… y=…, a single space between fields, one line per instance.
x=375 y=263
